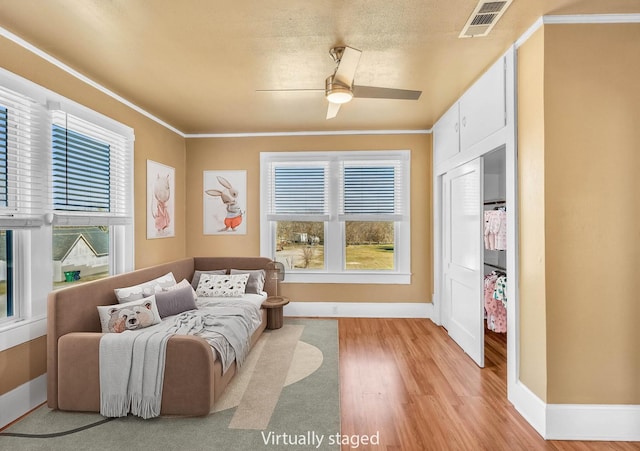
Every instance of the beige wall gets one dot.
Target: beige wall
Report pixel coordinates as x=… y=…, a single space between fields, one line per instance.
x=531 y=225
x=244 y=154
x=22 y=363
x=152 y=141
x=579 y=104
x=592 y=213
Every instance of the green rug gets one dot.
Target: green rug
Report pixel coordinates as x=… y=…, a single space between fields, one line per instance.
x=285 y=397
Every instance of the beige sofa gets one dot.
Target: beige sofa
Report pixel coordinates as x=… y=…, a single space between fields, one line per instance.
x=193 y=377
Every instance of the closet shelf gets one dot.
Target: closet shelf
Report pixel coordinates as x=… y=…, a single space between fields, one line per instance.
x=495 y=202
x=495 y=266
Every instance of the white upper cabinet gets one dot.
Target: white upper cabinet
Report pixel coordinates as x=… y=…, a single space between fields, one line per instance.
x=446 y=135
x=479 y=113
x=483 y=107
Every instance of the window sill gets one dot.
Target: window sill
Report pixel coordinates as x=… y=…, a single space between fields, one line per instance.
x=347 y=278
x=17 y=332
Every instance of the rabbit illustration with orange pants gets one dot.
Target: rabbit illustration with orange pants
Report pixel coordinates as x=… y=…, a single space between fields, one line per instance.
x=229 y=198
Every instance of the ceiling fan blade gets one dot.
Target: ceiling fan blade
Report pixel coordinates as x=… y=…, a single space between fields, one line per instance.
x=291 y=90
x=333 y=109
x=373 y=92
x=347 y=68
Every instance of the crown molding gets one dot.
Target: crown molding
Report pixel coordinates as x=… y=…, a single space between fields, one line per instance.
x=576 y=19
x=591 y=19
x=307 y=133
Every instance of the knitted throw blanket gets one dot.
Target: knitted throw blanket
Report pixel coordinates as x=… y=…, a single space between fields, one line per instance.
x=132 y=372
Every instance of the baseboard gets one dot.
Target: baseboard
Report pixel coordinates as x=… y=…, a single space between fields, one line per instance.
x=22 y=399
x=585 y=422
x=593 y=422
x=360 y=309
x=527 y=403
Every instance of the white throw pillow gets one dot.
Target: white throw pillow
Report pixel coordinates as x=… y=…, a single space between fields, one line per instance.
x=212 y=285
x=144 y=290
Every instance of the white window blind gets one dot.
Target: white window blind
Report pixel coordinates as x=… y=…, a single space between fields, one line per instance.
x=298 y=191
x=371 y=190
x=90 y=172
x=22 y=165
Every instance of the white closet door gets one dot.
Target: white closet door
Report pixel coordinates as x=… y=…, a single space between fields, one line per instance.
x=463 y=278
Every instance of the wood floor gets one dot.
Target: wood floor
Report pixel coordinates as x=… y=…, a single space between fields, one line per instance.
x=408 y=381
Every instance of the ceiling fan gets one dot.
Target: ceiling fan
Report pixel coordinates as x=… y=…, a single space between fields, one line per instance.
x=340 y=87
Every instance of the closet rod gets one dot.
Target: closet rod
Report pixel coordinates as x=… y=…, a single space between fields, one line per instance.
x=496 y=202
x=495 y=266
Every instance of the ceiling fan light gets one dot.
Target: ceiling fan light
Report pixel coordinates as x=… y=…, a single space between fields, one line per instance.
x=337 y=96
x=336 y=93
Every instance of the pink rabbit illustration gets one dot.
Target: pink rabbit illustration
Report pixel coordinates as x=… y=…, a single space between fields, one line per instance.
x=229 y=197
x=161 y=192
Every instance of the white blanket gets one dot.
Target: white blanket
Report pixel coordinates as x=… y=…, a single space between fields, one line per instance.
x=132 y=362
x=132 y=371
x=226 y=325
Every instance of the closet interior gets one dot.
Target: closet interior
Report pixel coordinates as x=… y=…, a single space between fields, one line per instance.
x=495 y=246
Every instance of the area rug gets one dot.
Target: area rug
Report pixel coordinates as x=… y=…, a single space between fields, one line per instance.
x=285 y=397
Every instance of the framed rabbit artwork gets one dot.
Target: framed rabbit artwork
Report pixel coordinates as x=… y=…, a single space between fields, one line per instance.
x=225 y=202
x=161 y=187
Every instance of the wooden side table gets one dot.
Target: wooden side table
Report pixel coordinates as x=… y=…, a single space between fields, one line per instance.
x=275 y=315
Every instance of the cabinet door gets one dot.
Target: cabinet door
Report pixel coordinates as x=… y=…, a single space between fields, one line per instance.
x=446 y=142
x=483 y=107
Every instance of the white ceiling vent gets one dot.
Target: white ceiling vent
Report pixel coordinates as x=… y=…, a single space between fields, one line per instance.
x=483 y=18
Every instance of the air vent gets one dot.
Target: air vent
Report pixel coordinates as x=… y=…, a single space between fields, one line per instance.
x=484 y=17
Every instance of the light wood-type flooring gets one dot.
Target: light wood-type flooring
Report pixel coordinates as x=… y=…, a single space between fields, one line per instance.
x=408 y=382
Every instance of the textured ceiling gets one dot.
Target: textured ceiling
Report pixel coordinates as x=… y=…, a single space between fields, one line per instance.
x=197 y=64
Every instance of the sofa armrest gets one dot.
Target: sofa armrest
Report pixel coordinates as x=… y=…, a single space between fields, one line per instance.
x=188 y=386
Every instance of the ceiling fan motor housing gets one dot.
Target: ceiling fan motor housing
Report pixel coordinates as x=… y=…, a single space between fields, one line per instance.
x=337 y=92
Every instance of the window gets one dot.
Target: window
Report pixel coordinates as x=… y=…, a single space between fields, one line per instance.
x=337 y=216
x=66 y=199
x=6 y=275
x=89 y=197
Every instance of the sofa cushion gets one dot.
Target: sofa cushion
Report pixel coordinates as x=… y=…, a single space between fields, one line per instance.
x=132 y=315
x=255 y=284
x=212 y=285
x=146 y=289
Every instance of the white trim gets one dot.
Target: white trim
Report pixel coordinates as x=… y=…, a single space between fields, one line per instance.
x=20 y=331
x=530 y=31
x=527 y=403
x=360 y=309
x=60 y=65
x=591 y=18
x=22 y=399
x=576 y=19
x=593 y=422
x=308 y=133
x=613 y=422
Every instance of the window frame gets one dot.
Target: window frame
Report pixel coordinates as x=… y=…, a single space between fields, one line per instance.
x=33 y=227
x=334 y=241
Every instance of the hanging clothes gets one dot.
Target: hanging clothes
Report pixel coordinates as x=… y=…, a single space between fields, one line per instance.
x=495 y=229
x=489 y=301
x=495 y=301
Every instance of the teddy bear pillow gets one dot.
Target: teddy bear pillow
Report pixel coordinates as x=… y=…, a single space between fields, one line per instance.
x=132 y=315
